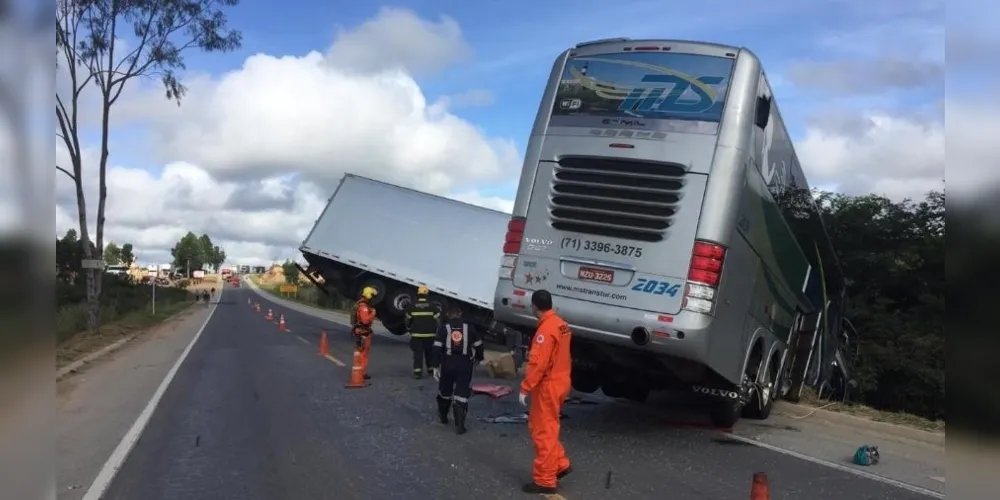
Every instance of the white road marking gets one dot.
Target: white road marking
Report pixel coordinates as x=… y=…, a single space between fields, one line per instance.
x=303 y=340
x=334 y=360
x=842 y=468
x=118 y=457
x=937 y=478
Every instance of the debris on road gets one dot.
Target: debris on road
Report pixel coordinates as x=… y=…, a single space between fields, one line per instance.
x=492 y=390
x=506 y=419
x=502 y=366
x=866 y=455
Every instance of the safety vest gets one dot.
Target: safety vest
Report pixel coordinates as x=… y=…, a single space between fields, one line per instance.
x=423 y=319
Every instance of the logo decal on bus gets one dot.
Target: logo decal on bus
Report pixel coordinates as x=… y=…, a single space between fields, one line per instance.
x=662 y=94
x=656 y=287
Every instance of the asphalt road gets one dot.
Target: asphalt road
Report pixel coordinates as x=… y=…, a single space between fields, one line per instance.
x=255 y=413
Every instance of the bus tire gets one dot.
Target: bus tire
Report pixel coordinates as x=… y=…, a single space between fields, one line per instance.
x=762 y=400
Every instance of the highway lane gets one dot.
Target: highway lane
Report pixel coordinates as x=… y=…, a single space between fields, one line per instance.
x=255 y=413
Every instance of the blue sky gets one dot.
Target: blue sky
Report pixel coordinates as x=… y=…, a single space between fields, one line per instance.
x=854 y=79
x=515 y=42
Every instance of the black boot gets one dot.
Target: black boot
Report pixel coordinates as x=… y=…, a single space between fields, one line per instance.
x=443 y=406
x=461 y=410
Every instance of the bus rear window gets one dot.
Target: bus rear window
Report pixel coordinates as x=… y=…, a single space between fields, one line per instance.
x=656 y=90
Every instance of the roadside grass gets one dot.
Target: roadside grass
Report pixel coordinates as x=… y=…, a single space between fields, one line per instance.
x=810 y=399
x=80 y=342
x=307 y=294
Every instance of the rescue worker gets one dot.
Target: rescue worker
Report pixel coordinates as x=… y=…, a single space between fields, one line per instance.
x=422 y=320
x=458 y=347
x=362 y=317
x=547 y=381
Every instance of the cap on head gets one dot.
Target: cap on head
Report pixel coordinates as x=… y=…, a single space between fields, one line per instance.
x=422 y=290
x=369 y=292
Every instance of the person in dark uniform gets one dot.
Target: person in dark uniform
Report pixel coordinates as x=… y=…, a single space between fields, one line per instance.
x=422 y=320
x=459 y=347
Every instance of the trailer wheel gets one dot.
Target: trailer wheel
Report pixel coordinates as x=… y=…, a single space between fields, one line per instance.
x=440 y=302
x=400 y=299
x=395 y=327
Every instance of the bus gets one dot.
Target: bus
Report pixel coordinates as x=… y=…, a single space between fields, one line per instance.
x=662 y=205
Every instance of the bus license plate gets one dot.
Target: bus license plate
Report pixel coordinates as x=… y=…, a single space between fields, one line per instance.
x=595 y=274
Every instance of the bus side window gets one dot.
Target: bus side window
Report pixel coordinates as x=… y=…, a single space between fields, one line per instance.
x=763 y=112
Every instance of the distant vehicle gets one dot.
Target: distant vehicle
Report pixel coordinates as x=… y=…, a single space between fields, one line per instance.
x=117 y=270
x=403 y=242
x=662 y=204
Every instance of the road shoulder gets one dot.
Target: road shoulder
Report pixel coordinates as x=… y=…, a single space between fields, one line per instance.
x=97 y=406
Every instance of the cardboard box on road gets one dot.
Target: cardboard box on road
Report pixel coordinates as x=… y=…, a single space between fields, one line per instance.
x=501 y=366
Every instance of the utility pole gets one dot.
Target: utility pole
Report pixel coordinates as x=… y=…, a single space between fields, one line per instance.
x=189 y=268
x=152 y=283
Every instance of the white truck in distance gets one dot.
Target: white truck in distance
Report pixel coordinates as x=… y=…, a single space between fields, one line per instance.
x=394 y=239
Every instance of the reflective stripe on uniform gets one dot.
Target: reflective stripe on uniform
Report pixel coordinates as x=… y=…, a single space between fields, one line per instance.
x=423 y=313
x=465 y=340
x=442 y=396
x=437 y=343
x=460 y=399
x=477 y=343
x=423 y=335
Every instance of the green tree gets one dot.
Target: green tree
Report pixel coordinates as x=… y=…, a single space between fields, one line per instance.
x=68 y=254
x=892 y=255
x=291 y=272
x=127 y=255
x=189 y=253
x=88 y=39
x=219 y=257
x=112 y=254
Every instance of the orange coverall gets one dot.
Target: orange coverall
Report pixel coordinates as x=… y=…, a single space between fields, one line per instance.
x=364 y=315
x=547 y=380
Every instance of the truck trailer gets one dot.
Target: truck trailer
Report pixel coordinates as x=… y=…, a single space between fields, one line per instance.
x=394 y=239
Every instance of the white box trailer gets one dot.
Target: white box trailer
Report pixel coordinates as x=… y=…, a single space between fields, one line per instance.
x=394 y=239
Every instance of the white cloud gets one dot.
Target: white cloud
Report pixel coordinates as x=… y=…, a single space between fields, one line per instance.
x=252 y=155
x=277 y=115
x=398 y=39
x=890 y=155
x=493 y=202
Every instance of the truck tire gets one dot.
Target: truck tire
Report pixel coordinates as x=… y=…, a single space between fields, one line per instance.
x=400 y=298
x=439 y=301
x=395 y=327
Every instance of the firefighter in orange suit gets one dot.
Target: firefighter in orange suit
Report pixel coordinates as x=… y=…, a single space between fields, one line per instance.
x=547 y=380
x=362 y=317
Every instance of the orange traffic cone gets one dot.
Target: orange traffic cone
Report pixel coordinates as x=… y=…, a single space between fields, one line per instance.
x=357 y=371
x=269 y=316
x=760 y=490
x=281 y=322
x=324 y=345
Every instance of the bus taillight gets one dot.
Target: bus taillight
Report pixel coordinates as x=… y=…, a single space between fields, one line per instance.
x=703 y=276
x=511 y=246
x=515 y=232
